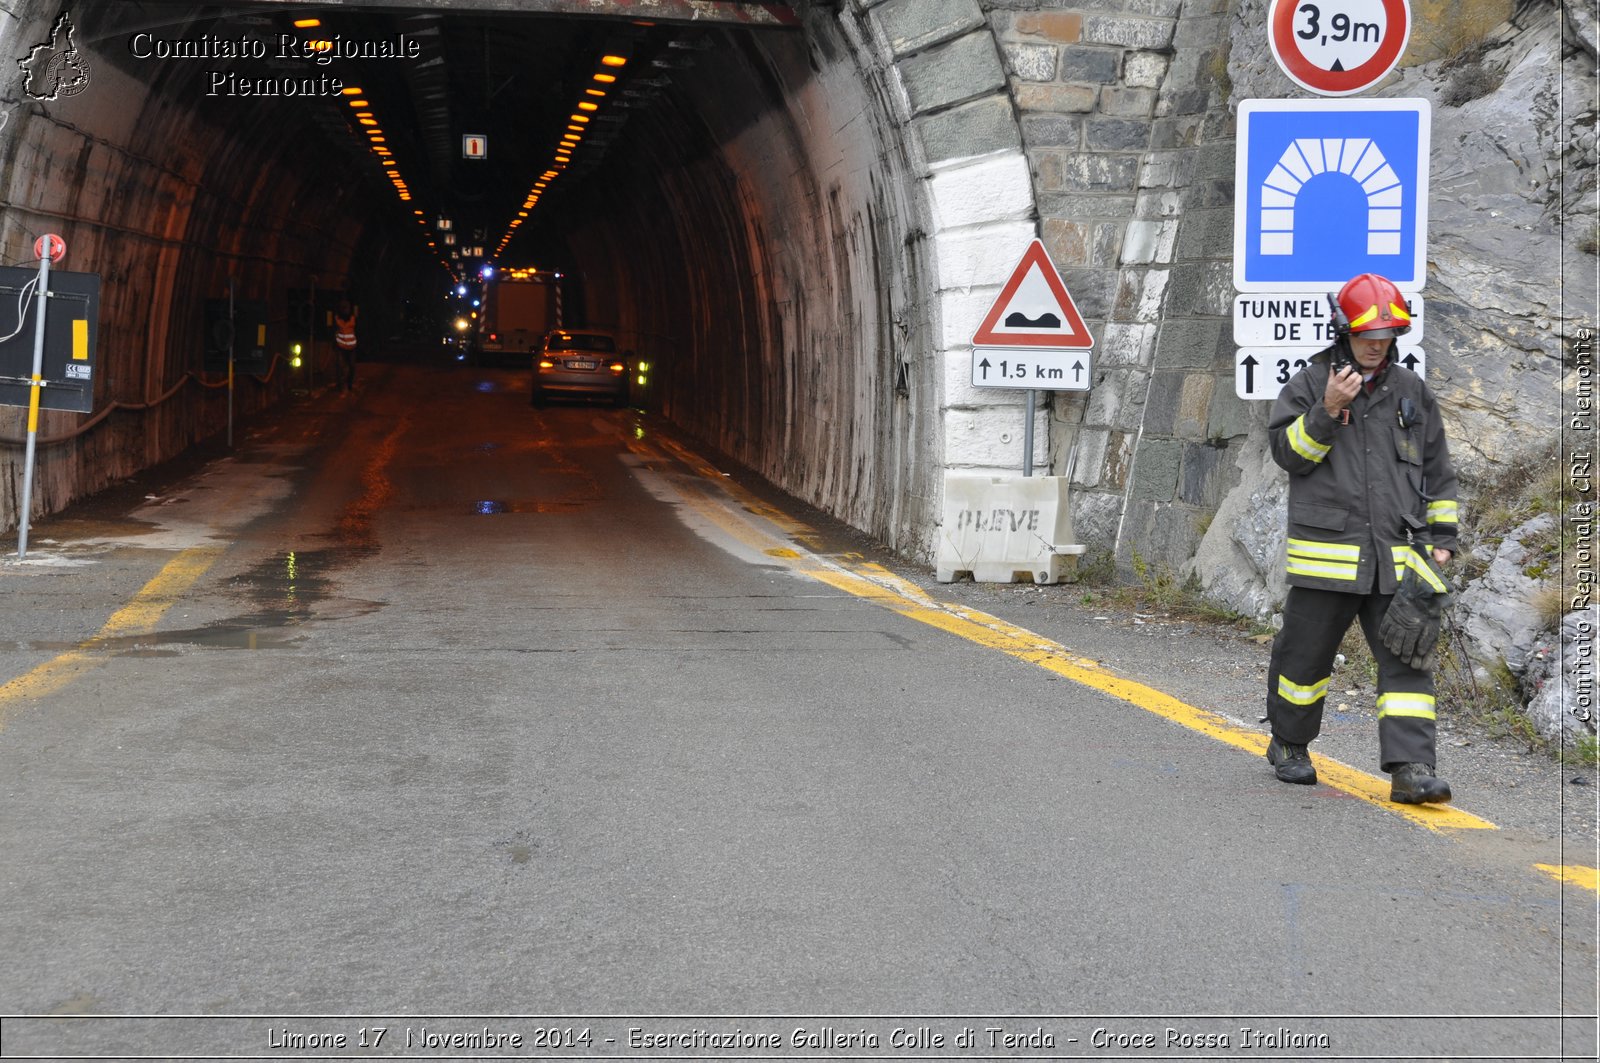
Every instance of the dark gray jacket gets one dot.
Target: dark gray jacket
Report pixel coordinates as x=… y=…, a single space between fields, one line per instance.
x=1351 y=485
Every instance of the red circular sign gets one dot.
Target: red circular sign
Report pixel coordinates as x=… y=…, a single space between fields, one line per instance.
x=57 y=247
x=1338 y=47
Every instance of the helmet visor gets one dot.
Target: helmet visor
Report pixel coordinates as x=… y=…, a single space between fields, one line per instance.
x=1380 y=333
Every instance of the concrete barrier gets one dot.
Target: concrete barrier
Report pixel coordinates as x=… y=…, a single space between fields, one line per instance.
x=1007 y=529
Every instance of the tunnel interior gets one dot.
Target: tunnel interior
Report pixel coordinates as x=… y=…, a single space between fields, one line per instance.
x=739 y=201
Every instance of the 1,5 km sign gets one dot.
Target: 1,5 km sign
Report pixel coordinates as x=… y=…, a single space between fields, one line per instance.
x=1338 y=47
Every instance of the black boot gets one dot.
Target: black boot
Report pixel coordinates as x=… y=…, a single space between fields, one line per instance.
x=1415 y=784
x=1293 y=763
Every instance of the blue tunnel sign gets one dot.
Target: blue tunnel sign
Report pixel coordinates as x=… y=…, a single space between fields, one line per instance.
x=1327 y=189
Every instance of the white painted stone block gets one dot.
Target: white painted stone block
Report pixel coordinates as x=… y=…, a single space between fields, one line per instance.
x=994 y=188
x=1152 y=291
x=990 y=437
x=980 y=255
x=961 y=312
x=1127 y=344
x=1149 y=241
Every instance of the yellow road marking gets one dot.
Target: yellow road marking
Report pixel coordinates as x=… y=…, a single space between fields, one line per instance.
x=878 y=585
x=985 y=630
x=140 y=615
x=1573 y=874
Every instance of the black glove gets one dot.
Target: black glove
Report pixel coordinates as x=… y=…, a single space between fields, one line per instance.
x=1411 y=625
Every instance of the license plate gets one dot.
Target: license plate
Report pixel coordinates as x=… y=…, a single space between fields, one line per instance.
x=572 y=364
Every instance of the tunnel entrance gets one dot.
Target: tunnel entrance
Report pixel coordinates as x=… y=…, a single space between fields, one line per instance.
x=735 y=189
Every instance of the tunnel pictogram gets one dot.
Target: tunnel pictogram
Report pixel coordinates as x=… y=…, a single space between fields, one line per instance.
x=1357 y=158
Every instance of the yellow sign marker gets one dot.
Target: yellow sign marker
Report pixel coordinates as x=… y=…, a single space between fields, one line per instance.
x=80 y=340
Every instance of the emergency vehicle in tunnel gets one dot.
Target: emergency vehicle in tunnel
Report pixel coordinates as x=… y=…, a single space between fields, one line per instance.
x=519 y=307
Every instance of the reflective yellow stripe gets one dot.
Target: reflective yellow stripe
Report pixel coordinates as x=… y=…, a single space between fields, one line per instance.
x=1296 y=694
x=1445 y=512
x=1405 y=557
x=1401 y=314
x=33 y=404
x=1347 y=552
x=1303 y=444
x=1340 y=561
x=1421 y=706
x=1370 y=315
x=1321 y=569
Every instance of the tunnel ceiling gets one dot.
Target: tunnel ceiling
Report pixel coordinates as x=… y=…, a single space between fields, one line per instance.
x=513 y=72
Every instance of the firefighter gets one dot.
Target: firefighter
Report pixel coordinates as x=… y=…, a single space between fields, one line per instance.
x=1372 y=500
x=344 y=344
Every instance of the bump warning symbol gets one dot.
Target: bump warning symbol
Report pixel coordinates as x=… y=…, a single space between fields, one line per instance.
x=1034 y=309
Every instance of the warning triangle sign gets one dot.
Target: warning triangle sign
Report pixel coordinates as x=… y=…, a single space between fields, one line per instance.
x=1034 y=309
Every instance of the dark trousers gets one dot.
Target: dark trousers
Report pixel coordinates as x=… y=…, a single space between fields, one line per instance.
x=1314 y=623
x=345 y=367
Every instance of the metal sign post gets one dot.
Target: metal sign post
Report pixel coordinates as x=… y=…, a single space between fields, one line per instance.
x=311 y=335
x=1027 y=436
x=232 y=333
x=49 y=247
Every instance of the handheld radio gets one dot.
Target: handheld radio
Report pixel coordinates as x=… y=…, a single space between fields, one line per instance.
x=1342 y=358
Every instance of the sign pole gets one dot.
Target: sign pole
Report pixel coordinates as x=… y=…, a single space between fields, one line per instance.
x=33 y=397
x=311 y=335
x=230 y=362
x=1027 y=437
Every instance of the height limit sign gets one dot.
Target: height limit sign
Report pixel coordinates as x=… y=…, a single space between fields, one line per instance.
x=1338 y=47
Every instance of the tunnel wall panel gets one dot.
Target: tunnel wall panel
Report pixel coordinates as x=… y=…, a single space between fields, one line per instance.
x=164 y=196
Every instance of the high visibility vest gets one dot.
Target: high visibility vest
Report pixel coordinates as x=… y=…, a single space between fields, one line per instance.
x=344 y=331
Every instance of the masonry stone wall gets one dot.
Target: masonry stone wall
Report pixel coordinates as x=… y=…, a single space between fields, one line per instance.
x=1102 y=127
x=1123 y=111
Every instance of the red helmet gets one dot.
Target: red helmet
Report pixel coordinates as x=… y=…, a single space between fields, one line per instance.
x=1373 y=308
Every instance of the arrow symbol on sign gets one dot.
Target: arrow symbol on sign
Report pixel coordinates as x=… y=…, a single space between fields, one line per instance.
x=984 y=365
x=1077 y=372
x=1249 y=364
x=1410 y=362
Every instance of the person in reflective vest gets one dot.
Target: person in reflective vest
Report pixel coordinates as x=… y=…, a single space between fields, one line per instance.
x=1370 y=477
x=344 y=345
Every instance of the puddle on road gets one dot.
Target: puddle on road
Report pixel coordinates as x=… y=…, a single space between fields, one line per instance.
x=285 y=591
x=298 y=586
x=229 y=635
x=494 y=507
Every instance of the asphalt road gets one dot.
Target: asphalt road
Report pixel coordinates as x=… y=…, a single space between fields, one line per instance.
x=426 y=711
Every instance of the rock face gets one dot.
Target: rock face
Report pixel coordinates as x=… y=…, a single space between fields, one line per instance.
x=1240 y=560
x=1497 y=612
x=1562 y=674
x=1511 y=229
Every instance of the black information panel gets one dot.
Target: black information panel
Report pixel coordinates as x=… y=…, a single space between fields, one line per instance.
x=245 y=335
x=71 y=327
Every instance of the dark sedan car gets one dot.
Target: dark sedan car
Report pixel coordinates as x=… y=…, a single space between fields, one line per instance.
x=580 y=363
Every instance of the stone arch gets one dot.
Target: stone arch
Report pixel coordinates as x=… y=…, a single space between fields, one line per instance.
x=949 y=79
